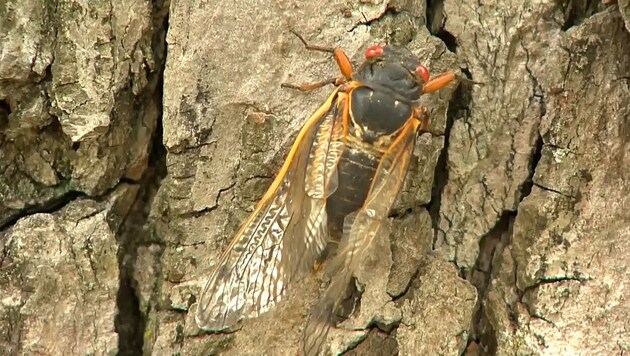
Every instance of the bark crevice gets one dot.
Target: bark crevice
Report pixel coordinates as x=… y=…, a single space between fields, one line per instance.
x=136 y=229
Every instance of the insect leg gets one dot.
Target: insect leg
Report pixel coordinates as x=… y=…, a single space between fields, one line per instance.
x=422 y=114
x=313 y=86
x=443 y=80
x=343 y=62
x=438 y=82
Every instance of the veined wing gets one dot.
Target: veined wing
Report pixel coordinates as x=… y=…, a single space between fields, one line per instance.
x=286 y=232
x=365 y=232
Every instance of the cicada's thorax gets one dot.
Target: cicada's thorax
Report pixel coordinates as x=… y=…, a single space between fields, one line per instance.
x=381 y=100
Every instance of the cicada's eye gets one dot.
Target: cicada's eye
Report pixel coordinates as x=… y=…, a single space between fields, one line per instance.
x=373 y=51
x=423 y=72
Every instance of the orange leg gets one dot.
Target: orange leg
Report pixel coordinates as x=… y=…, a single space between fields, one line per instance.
x=421 y=113
x=443 y=80
x=343 y=62
x=438 y=82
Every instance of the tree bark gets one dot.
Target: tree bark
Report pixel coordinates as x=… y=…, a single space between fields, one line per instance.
x=80 y=100
x=124 y=173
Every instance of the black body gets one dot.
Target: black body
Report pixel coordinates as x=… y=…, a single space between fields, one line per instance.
x=355 y=171
x=379 y=107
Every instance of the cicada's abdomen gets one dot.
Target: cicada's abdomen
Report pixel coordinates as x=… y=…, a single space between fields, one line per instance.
x=355 y=173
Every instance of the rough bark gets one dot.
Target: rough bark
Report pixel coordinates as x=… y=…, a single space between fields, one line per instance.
x=624 y=8
x=79 y=108
x=511 y=233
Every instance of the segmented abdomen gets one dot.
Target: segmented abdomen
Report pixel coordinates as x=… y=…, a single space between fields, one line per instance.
x=355 y=171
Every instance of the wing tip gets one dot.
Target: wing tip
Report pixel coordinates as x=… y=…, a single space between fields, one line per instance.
x=314 y=338
x=213 y=325
x=216 y=322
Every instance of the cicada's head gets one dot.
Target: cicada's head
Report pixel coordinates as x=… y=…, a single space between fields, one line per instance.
x=395 y=69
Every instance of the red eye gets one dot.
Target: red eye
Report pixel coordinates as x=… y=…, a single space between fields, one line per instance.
x=423 y=72
x=373 y=51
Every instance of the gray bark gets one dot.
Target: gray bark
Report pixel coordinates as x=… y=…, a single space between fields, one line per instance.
x=80 y=103
x=124 y=175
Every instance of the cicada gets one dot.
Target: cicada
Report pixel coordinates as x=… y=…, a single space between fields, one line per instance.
x=338 y=183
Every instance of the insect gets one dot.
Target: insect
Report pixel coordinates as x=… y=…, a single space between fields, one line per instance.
x=338 y=183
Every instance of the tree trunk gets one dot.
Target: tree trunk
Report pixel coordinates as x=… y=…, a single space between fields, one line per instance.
x=125 y=172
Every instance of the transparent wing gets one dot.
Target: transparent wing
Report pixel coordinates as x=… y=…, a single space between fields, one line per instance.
x=365 y=231
x=286 y=232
